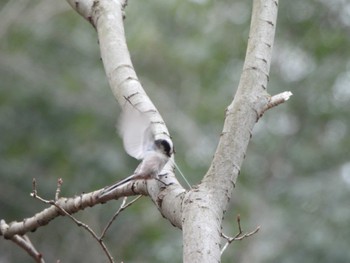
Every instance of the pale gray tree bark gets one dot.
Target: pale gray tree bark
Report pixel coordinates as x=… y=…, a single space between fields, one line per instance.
x=199 y=211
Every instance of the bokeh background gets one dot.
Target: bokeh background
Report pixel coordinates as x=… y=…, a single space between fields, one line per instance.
x=57 y=118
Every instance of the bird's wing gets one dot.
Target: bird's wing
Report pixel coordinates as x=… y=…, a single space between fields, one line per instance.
x=135 y=130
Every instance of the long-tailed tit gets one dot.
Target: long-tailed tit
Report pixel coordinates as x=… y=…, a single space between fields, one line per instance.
x=139 y=142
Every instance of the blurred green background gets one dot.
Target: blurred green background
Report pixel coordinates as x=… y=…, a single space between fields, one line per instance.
x=57 y=118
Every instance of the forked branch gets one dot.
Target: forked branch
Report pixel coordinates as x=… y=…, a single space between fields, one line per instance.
x=239 y=236
x=24 y=242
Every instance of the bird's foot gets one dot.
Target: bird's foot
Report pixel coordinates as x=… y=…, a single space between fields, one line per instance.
x=159 y=180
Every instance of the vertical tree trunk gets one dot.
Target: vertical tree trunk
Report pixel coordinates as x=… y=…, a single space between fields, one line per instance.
x=204 y=207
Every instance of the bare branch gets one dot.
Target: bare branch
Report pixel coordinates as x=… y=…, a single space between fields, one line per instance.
x=241 y=116
x=239 y=236
x=276 y=100
x=107 y=18
x=60 y=205
x=79 y=223
x=24 y=242
x=34 y=187
x=170 y=196
x=122 y=207
x=58 y=190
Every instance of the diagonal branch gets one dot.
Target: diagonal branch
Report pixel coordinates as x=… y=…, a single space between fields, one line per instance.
x=123 y=206
x=25 y=243
x=168 y=200
x=107 y=18
x=64 y=212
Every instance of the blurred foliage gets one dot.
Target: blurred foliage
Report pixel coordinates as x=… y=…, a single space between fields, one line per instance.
x=57 y=118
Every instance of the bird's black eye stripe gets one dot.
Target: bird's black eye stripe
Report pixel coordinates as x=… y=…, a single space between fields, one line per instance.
x=166 y=146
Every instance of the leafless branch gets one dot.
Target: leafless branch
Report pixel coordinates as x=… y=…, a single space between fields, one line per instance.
x=240 y=118
x=276 y=100
x=239 y=236
x=25 y=243
x=122 y=207
x=58 y=190
x=79 y=223
x=15 y=231
x=107 y=18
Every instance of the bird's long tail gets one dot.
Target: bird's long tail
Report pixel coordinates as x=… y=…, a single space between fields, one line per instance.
x=109 y=189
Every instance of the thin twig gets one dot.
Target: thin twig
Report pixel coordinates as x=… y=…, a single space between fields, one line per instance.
x=34 y=193
x=276 y=100
x=79 y=223
x=25 y=243
x=87 y=228
x=122 y=207
x=239 y=236
x=58 y=190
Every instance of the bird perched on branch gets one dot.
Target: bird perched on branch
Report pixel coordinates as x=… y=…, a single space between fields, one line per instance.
x=139 y=142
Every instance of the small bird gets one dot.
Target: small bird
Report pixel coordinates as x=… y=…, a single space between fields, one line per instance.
x=139 y=142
